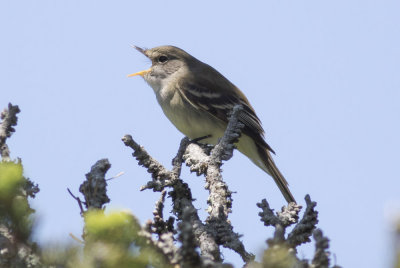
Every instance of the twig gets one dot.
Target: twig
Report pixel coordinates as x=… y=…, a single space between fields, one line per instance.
x=76 y=239
x=116 y=176
x=78 y=200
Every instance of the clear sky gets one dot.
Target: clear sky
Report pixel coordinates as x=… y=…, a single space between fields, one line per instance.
x=323 y=77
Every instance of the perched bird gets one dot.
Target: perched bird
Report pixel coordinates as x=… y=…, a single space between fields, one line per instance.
x=197 y=99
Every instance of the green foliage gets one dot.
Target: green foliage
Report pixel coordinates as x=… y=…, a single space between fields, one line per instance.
x=114 y=240
x=14 y=207
x=117 y=227
x=111 y=240
x=11 y=180
x=278 y=256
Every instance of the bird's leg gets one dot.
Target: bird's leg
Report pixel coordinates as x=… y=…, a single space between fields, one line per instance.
x=201 y=138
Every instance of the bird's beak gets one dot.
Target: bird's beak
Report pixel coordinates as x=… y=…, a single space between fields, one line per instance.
x=141 y=50
x=141 y=73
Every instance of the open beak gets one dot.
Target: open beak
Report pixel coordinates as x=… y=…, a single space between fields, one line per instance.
x=141 y=50
x=141 y=73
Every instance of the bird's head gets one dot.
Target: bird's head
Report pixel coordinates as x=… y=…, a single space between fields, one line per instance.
x=167 y=62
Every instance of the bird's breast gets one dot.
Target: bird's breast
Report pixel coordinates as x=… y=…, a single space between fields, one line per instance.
x=189 y=120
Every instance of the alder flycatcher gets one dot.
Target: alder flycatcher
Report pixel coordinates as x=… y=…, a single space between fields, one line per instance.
x=197 y=99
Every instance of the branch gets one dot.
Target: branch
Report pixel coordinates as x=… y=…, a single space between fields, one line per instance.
x=220 y=198
x=177 y=161
x=94 y=188
x=9 y=117
x=16 y=248
x=301 y=233
x=159 y=226
x=322 y=255
x=181 y=195
x=165 y=232
x=161 y=176
x=16 y=253
x=289 y=214
x=224 y=149
x=267 y=215
x=188 y=256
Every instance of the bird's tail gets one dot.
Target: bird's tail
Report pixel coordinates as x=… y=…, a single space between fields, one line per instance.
x=261 y=156
x=270 y=167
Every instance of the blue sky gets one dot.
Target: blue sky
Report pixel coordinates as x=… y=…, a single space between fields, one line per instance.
x=323 y=77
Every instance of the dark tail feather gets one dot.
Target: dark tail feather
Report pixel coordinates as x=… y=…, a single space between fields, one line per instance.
x=276 y=174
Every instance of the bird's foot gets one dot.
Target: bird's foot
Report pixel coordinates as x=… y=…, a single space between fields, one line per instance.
x=201 y=138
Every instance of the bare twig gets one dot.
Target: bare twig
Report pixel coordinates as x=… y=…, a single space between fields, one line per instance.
x=80 y=241
x=116 y=176
x=77 y=200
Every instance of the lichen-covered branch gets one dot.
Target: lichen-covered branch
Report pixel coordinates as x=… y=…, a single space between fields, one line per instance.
x=302 y=232
x=164 y=230
x=161 y=176
x=289 y=215
x=220 y=198
x=180 y=194
x=111 y=237
x=286 y=217
x=188 y=256
x=177 y=161
x=267 y=215
x=322 y=255
x=9 y=120
x=217 y=230
x=16 y=248
x=94 y=188
x=281 y=250
x=15 y=253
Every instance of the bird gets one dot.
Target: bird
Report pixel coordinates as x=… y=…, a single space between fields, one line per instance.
x=197 y=99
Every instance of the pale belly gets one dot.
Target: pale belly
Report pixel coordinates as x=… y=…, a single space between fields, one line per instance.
x=194 y=123
x=183 y=121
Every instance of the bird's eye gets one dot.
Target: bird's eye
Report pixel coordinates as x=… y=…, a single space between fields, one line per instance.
x=162 y=59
